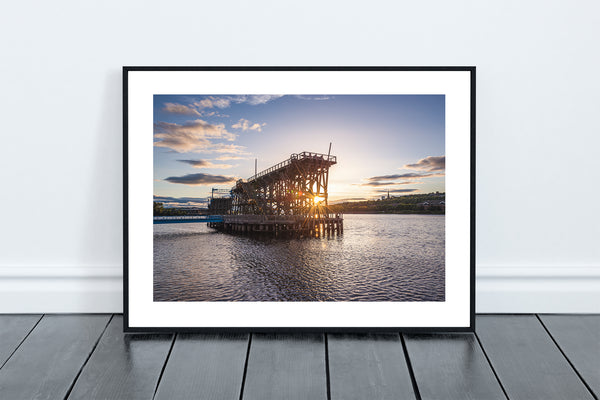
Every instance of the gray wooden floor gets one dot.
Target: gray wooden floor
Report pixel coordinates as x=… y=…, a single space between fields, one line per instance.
x=510 y=356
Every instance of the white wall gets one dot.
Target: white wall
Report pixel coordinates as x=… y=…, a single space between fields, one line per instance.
x=538 y=127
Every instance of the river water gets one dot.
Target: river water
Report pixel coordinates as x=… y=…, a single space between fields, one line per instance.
x=377 y=258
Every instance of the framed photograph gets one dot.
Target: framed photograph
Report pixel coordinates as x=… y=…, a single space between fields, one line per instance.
x=299 y=198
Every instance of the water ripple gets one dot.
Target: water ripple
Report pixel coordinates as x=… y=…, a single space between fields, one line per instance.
x=378 y=258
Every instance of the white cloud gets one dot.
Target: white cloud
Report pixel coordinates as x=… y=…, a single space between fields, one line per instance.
x=252 y=99
x=408 y=175
x=206 y=103
x=221 y=102
x=201 y=179
x=191 y=136
x=429 y=164
x=227 y=149
x=224 y=158
x=262 y=98
x=319 y=97
x=213 y=114
x=199 y=108
x=218 y=102
x=378 y=183
x=180 y=109
x=245 y=125
x=212 y=102
x=205 y=164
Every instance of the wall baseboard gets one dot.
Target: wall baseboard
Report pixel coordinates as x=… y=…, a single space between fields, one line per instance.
x=562 y=289
x=52 y=289
x=507 y=289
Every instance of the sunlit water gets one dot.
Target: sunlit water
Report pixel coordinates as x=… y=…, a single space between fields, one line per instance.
x=377 y=258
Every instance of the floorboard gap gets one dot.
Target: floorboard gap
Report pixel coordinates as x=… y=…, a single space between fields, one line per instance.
x=246 y=366
x=327 y=375
x=87 y=359
x=162 y=371
x=410 y=369
x=491 y=366
x=21 y=342
x=566 y=358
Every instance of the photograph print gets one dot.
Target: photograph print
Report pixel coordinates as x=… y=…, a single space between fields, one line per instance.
x=298 y=198
x=319 y=197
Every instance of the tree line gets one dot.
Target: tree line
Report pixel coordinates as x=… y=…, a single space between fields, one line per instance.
x=161 y=211
x=408 y=204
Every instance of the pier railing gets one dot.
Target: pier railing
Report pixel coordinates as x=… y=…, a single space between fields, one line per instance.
x=279 y=219
x=294 y=157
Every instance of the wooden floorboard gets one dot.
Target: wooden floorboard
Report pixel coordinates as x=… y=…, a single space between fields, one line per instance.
x=79 y=356
x=286 y=366
x=451 y=366
x=123 y=366
x=47 y=363
x=368 y=366
x=205 y=366
x=578 y=336
x=526 y=360
x=13 y=329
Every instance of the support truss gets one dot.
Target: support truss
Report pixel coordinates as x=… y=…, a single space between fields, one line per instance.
x=296 y=186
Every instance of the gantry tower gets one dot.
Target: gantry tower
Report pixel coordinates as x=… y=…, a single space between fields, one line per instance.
x=296 y=186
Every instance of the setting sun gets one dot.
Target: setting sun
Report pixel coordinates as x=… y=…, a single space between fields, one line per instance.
x=319 y=199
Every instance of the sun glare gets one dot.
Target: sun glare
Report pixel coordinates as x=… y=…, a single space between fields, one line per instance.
x=319 y=199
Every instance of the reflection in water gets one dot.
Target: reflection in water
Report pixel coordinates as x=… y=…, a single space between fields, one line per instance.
x=378 y=258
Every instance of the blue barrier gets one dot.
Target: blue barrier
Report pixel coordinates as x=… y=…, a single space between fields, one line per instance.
x=188 y=219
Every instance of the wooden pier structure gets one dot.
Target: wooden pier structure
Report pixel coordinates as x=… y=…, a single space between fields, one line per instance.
x=281 y=224
x=289 y=197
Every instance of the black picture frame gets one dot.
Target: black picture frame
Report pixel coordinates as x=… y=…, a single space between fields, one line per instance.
x=127 y=70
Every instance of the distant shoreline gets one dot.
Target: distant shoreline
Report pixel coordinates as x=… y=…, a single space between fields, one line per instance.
x=398 y=212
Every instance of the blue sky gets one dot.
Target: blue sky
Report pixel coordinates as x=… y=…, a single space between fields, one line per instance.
x=383 y=142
